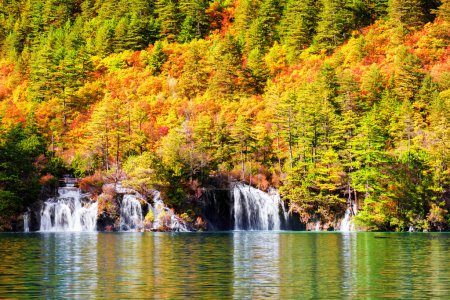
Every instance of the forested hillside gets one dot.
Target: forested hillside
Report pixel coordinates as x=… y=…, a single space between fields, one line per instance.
x=331 y=101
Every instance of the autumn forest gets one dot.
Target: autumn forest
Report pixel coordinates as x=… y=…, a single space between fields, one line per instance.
x=331 y=102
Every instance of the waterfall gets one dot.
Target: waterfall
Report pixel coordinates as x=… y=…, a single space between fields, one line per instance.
x=131 y=214
x=132 y=217
x=26 y=221
x=255 y=210
x=345 y=224
x=317 y=226
x=163 y=216
x=277 y=199
x=68 y=212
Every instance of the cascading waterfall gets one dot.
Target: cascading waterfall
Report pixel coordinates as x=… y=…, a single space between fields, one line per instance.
x=164 y=217
x=346 y=223
x=277 y=199
x=68 y=212
x=317 y=226
x=255 y=210
x=131 y=217
x=26 y=222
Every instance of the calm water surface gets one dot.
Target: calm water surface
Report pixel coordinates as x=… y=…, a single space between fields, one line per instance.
x=241 y=265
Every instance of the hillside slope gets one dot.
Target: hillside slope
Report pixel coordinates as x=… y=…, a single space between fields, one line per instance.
x=334 y=102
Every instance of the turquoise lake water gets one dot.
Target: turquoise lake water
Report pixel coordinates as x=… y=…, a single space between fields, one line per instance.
x=239 y=265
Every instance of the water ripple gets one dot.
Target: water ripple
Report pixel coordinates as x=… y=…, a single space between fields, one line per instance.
x=240 y=265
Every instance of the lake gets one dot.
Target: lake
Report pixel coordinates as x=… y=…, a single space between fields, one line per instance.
x=240 y=265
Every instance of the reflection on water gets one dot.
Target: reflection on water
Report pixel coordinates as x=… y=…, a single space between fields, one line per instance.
x=62 y=262
x=240 y=265
x=256 y=259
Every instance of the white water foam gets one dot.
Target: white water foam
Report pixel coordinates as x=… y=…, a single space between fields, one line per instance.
x=131 y=218
x=26 y=222
x=254 y=209
x=164 y=216
x=68 y=212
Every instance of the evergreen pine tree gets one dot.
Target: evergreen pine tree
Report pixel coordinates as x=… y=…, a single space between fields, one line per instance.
x=256 y=35
x=104 y=38
x=298 y=25
x=372 y=87
x=188 y=31
x=334 y=25
x=257 y=73
x=120 y=35
x=195 y=22
x=406 y=12
x=168 y=18
x=407 y=75
x=270 y=12
x=226 y=59
x=157 y=59
x=246 y=12
x=88 y=9
x=423 y=100
x=194 y=79
x=134 y=39
x=41 y=72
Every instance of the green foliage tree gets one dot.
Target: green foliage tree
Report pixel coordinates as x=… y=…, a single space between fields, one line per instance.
x=408 y=13
x=157 y=59
x=335 y=23
x=444 y=10
x=194 y=79
x=144 y=171
x=245 y=13
x=257 y=74
x=136 y=33
x=226 y=59
x=19 y=177
x=195 y=23
x=407 y=75
x=168 y=18
x=372 y=87
x=42 y=69
x=188 y=31
x=120 y=35
x=298 y=25
x=104 y=37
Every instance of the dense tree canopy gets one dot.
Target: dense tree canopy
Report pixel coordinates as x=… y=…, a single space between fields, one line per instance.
x=332 y=101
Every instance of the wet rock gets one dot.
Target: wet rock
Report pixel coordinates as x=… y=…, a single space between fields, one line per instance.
x=108 y=218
